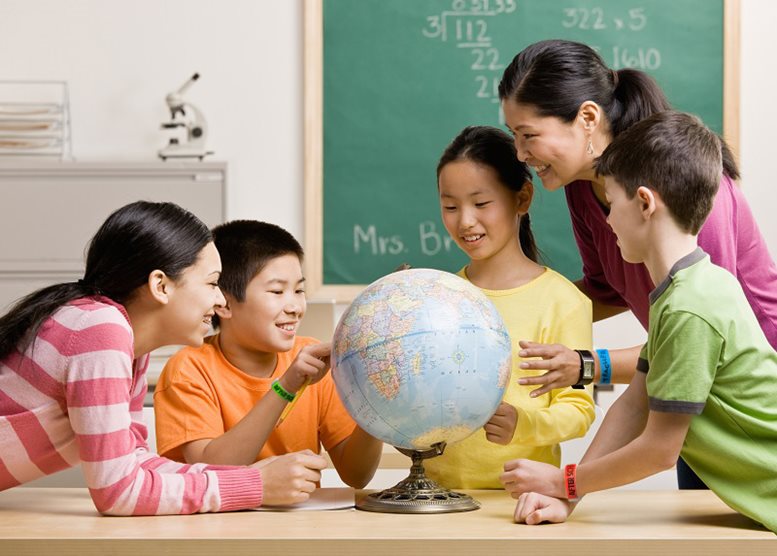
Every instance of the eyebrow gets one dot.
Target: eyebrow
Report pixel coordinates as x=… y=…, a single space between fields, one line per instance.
x=282 y=281
x=473 y=194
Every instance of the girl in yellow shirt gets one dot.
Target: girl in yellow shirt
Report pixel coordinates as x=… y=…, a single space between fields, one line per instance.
x=485 y=193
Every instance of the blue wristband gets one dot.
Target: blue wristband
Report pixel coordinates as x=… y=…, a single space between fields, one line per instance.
x=605 y=368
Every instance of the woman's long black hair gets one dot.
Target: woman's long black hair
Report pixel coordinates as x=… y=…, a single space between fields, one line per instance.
x=135 y=240
x=556 y=76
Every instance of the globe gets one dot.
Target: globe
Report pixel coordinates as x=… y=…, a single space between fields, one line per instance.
x=421 y=357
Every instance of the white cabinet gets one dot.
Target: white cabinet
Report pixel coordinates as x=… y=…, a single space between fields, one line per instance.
x=50 y=210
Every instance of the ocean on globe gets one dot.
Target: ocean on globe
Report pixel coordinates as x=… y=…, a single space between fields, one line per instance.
x=420 y=357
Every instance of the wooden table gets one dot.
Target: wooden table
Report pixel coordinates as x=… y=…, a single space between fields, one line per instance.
x=63 y=521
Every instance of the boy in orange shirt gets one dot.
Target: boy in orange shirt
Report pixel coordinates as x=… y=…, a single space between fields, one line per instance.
x=219 y=403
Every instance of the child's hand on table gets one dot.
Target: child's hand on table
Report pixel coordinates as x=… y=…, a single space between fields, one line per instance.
x=533 y=509
x=290 y=478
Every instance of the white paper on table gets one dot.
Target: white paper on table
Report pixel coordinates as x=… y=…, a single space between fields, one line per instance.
x=320 y=499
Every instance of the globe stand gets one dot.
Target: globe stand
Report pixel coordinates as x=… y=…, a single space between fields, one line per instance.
x=418 y=494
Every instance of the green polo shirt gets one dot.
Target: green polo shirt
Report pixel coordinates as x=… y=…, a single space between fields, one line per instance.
x=706 y=355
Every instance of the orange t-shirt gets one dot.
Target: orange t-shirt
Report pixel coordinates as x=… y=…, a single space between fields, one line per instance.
x=201 y=395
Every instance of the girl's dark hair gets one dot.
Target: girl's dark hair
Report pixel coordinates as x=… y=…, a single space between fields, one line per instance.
x=491 y=147
x=135 y=240
x=556 y=76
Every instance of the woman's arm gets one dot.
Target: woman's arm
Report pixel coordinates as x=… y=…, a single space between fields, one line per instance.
x=601 y=310
x=122 y=476
x=562 y=365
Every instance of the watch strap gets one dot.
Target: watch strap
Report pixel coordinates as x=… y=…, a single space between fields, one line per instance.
x=586 y=359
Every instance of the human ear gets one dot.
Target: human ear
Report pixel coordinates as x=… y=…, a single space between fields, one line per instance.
x=159 y=286
x=647 y=201
x=225 y=311
x=524 y=197
x=589 y=115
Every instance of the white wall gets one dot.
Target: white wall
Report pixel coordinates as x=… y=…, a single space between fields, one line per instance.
x=759 y=114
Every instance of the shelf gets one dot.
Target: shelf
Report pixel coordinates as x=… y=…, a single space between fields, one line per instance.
x=39 y=125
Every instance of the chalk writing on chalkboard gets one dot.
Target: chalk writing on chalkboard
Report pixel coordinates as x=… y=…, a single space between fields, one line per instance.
x=390 y=83
x=465 y=26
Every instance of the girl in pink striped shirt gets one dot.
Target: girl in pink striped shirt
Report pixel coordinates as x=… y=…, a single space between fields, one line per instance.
x=73 y=360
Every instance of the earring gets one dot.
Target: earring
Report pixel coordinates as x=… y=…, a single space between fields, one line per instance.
x=590 y=148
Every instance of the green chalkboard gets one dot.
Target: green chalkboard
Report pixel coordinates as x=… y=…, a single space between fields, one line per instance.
x=399 y=79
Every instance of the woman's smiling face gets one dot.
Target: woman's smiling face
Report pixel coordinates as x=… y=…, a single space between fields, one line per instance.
x=556 y=150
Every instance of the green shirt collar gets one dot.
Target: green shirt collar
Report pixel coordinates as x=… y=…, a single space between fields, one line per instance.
x=689 y=260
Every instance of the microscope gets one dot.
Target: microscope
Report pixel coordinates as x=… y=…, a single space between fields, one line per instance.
x=185 y=115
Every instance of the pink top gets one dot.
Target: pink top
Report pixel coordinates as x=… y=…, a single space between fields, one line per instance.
x=730 y=235
x=76 y=396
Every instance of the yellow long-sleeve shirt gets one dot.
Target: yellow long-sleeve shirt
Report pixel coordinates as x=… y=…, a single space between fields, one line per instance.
x=549 y=309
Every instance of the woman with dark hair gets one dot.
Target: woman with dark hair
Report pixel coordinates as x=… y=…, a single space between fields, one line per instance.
x=73 y=360
x=564 y=106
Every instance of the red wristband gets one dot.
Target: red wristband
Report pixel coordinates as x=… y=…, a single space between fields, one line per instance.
x=570 y=481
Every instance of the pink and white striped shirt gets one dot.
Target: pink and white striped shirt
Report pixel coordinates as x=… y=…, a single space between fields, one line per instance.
x=76 y=396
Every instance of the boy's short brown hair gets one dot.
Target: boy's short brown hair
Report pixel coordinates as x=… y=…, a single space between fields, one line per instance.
x=674 y=154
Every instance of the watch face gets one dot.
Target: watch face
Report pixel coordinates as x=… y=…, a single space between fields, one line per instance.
x=588 y=369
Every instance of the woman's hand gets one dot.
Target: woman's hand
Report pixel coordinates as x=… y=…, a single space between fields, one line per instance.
x=501 y=427
x=533 y=509
x=525 y=475
x=310 y=366
x=290 y=478
x=562 y=364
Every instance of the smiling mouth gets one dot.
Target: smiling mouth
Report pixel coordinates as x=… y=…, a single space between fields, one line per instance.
x=472 y=238
x=288 y=327
x=541 y=168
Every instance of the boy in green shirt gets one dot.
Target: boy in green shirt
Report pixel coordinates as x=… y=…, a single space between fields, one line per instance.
x=708 y=375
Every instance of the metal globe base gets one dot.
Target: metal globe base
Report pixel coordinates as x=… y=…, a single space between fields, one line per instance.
x=418 y=494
